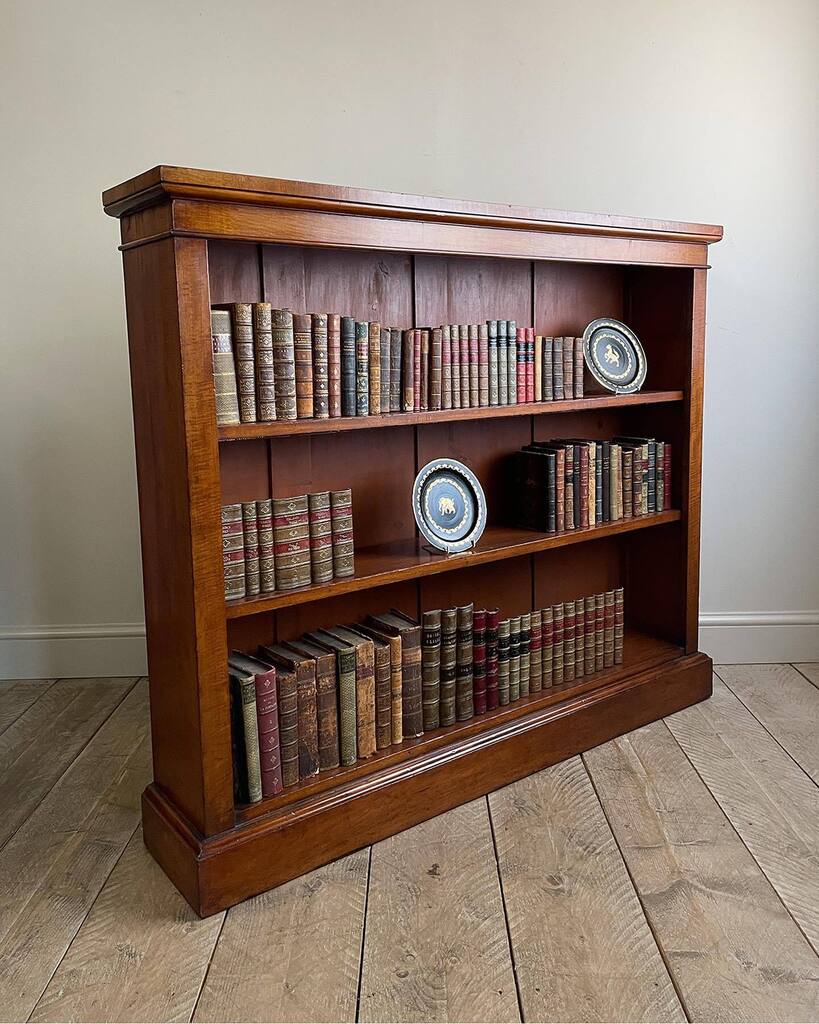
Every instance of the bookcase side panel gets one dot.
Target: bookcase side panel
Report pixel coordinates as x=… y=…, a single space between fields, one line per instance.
x=166 y=285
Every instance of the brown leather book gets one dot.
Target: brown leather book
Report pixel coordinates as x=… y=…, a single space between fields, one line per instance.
x=395 y=369
x=386 y=368
x=599 y=631
x=263 y=362
x=578 y=367
x=233 y=552
x=321 y=367
x=424 y=368
x=344 y=654
x=291 y=542
x=588 y=643
x=321 y=539
x=247 y=778
x=326 y=699
x=449 y=664
x=579 y=638
x=284 y=364
x=474 y=365
x=446 y=367
x=608 y=629
x=619 y=625
x=536 y=652
x=455 y=367
x=396 y=689
x=557 y=644
x=305 y=672
x=250 y=527
x=383 y=694
x=416 y=370
x=267 y=560
x=547 y=622
x=431 y=668
x=463 y=332
x=341 y=519
x=395 y=623
x=241 y=315
x=568 y=641
x=568 y=368
x=407 y=371
x=267 y=718
x=464 y=704
x=538 y=367
x=364 y=687
x=334 y=364
x=288 y=701
x=436 y=344
x=374 y=342
x=303 y=364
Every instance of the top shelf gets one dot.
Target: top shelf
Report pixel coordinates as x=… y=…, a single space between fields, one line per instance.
x=288 y=428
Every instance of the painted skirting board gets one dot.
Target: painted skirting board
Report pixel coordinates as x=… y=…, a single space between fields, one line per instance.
x=118 y=648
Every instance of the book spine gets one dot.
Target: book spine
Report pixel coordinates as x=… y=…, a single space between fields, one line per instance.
x=446 y=367
x=374 y=368
x=412 y=697
x=483 y=365
x=560 y=491
x=568 y=368
x=396 y=690
x=579 y=638
x=435 y=360
x=628 y=505
x=546 y=616
x=327 y=713
x=569 y=492
x=551 y=492
x=291 y=542
x=492 y=332
x=651 y=475
x=365 y=698
x=592 y=450
x=407 y=371
x=578 y=367
x=303 y=354
x=362 y=368
x=619 y=625
x=416 y=369
x=224 y=368
x=637 y=481
x=348 y=366
x=321 y=367
x=466 y=395
x=386 y=369
x=247 y=687
x=464 y=707
x=341 y=519
x=568 y=641
x=250 y=529
x=599 y=629
x=615 y=482
x=536 y=652
x=383 y=698
x=512 y=361
x=479 y=662
x=520 y=369
x=548 y=369
x=449 y=643
x=431 y=668
x=284 y=366
x=557 y=644
x=660 y=477
x=334 y=364
x=608 y=629
x=530 y=364
x=455 y=365
x=503 y=365
x=233 y=552
x=599 y=512
x=308 y=719
x=267 y=724
x=525 y=654
x=321 y=539
x=538 y=366
x=669 y=503
x=347 y=716
x=588 y=642
x=583 y=451
x=242 y=321
x=395 y=370
x=263 y=362
x=492 y=620
x=424 y=370
x=514 y=659
x=504 y=637
x=267 y=561
x=474 y=367
x=288 y=726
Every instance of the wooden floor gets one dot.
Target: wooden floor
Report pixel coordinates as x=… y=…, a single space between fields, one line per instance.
x=672 y=874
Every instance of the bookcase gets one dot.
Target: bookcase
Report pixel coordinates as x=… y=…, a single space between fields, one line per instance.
x=192 y=239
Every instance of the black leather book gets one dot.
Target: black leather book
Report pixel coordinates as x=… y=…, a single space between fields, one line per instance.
x=347 y=366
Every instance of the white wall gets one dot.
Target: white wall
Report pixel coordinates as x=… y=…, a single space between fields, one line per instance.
x=688 y=109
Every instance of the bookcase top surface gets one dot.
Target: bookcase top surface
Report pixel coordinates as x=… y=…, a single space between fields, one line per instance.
x=167 y=182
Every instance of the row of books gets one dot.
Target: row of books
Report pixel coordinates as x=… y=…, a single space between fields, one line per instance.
x=271 y=364
x=285 y=543
x=336 y=696
x=572 y=483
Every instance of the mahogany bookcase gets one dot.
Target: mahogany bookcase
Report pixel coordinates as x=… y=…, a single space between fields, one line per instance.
x=193 y=238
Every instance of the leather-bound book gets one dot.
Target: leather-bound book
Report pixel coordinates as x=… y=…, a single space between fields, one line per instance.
x=568 y=494
x=599 y=631
x=386 y=368
x=267 y=560
x=579 y=638
x=321 y=367
x=557 y=644
x=536 y=652
x=374 y=367
x=568 y=368
x=479 y=661
x=514 y=659
x=446 y=367
x=548 y=370
x=424 y=367
x=660 y=477
x=578 y=367
x=250 y=529
x=557 y=367
x=348 y=366
x=608 y=629
x=383 y=695
x=538 y=368
x=288 y=702
x=303 y=353
x=568 y=641
x=615 y=482
x=284 y=363
x=464 y=708
x=628 y=483
x=525 y=640
x=449 y=664
x=408 y=371
x=435 y=367
x=668 y=498
x=431 y=668
x=483 y=365
x=304 y=669
x=224 y=368
x=520 y=363
x=492 y=332
x=263 y=362
x=503 y=365
x=455 y=348
x=326 y=699
x=396 y=623
x=321 y=539
x=582 y=450
x=241 y=315
x=588 y=643
x=233 y=552
x=547 y=622
x=599 y=504
x=291 y=542
x=364 y=687
x=345 y=656
x=362 y=368
x=651 y=507
x=416 y=370
x=396 y=678
x=267 y=718
x=474 y=367
x=334 y=364
x=619 y=625
x=492 y=620
x=592 y=495
x=530 y=364
x=341 y=518
x=395 y=369
x=512 y=361
x=247 y=780
x=503 y=661
x=528 y=482
x=466 y=394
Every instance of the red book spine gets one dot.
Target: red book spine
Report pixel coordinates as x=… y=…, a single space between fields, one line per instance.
x=267 y=718
x=667 y=475
x=492 y=620
x=416 y=370
x=479 y=662
x=530 y=364
x=424 y=370
x=334 y=363
x=584 y=485
x=520 y=334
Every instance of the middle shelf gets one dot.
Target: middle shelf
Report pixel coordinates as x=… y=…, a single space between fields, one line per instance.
x=408 y=560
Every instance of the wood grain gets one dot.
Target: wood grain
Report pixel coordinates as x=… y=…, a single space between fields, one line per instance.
x=17 y=695
x=583 y=949
x=732 y=948
x=810 y=671
x=436 y=947
x=55 y=865
x=768 y=799
x=293 y=953
x=785 y=703
x=140 y=955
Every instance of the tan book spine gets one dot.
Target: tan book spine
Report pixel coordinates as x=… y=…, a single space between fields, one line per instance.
x=458 y=402
x=341 y=518
x=263 y=362
x=321 y=539
x=374 y=343
x=365 y=697
x=407 y=371
x=242 y=321
x=525 y=654
x=334 y=364
x=466 y=391
x=224 y=368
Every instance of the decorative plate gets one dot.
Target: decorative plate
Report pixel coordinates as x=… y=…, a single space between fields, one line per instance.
x=449 y=505
x=614 y=356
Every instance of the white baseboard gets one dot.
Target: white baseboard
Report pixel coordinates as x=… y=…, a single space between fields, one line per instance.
x=118 y=648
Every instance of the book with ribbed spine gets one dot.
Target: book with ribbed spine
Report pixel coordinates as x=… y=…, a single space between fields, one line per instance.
x=396 y=623
x=514 y=658
x=599 y=510
x=245 y=737
x=608 y=629
x=668 y=496
x=424 y=370
x=503 y=364
x=291 y=542
x=362 y=368
x=590 y=620
x=538 y=368
x=548 y=370
x=381 y=675
x=364 y=687
x=530 y=364
x=568 y=368
x=464 y=708
x=455 y=366
x=303 y=355
x=660 y=476
x=396 y=677
x=267 y=718
x=628 y=484
x=341 y=520
x=250 y=530
x=284 y=363
x=525 y=654
x=264 y=370
x=345 y=669
x=321 y=537
x=536 y=652
x=304 y=669
x=408 y=371
x=321 y=366
x=374 y=367
x=504 y=637
x=288 y=726
x=483 y=365
x=619 y=625
x=431 y=668
x=571 y=521
x=492 y=620
x=599 y=631
x=583 y=451
x=386 y=367
x=568 y=641
x=448 y=672
x=233 y=552
x=474 y=367
x=267 y=560
x=348 y=366
x=241 y=316
x=395 y=369
x=334 y=364
x=578 y=367
x=520 y=346
x=435 y=368
x=446 y=367
x=557 y=644
x=547 y=622
x=466 y=395
x=224 y=368
x=416 y=369
x=326 y=699
x=592 y=496
x=512 y=361
x=479 y=661
x=579 y=638
x=557 y=369
x=492 y=333
x=615 y=482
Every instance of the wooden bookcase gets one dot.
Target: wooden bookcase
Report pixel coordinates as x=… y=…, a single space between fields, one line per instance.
x=193 y=238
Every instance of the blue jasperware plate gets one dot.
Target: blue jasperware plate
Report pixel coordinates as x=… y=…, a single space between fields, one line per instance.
x=449 y=505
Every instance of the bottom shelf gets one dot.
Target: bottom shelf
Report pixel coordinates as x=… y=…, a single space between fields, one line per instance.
x=639 y=651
